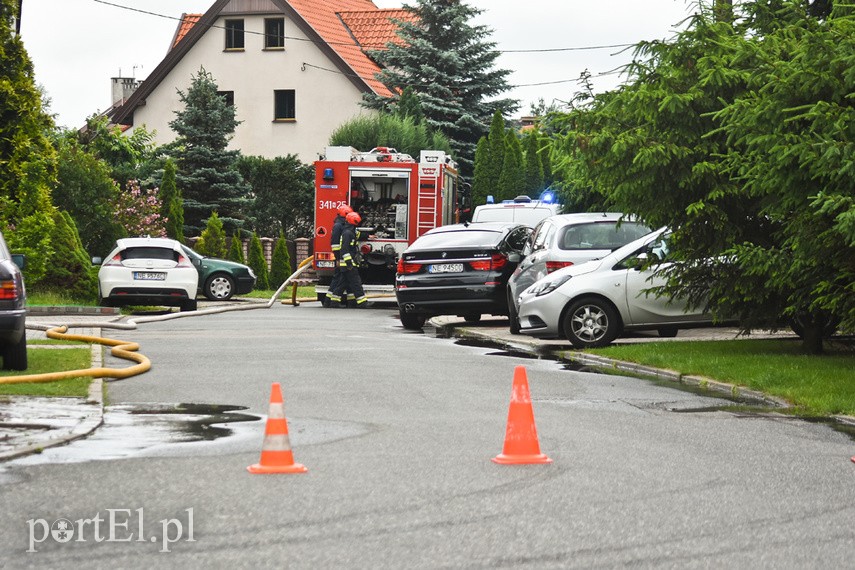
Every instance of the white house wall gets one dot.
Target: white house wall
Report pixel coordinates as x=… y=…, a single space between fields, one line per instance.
x=323 y=99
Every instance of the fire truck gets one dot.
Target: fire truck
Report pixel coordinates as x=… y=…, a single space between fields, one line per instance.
x=398 y=198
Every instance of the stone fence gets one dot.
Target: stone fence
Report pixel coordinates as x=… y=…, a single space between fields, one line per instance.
x=298 y=249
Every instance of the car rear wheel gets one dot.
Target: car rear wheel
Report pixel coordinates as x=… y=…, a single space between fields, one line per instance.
x=189 y=305
x=219 y=287
x=15 y=355
x=411 y=321
x=513 y=316
x=472 y=317
x=591 y=323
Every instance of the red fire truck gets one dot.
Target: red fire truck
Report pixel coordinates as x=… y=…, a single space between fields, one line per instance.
x=398 y=198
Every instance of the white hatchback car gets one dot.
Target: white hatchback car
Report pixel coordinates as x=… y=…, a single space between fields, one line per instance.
x=148 y=271
x=592 y=303
x=565 y=240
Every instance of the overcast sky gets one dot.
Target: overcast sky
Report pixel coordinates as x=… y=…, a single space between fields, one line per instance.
x=78 y=45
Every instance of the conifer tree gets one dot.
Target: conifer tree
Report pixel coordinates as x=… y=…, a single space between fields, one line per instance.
x=256 y=261
x=280 y=263
x=29 y=161
x=171 y=207
x=236 y=250
x=512 y=179
x=213 y=240
x=450 y=64
x=207 y=172
x=480 y=187
x=533 y=165
x=496 y=154
x=69 y=263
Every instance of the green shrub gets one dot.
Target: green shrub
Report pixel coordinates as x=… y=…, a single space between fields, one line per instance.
x=280 y=263
x=257 y=262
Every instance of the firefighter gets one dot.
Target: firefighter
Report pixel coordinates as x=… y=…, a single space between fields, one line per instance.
x=350 y=272
x=335 y=241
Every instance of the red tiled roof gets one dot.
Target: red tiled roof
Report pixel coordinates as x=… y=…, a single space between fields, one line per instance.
x=347 y=27
x=187 y=22
x=373 y=29
x=323 y=17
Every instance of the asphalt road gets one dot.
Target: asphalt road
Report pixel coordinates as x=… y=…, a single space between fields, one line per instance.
x=397 y=430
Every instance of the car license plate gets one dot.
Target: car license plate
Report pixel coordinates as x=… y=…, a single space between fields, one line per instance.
x=149 y=276
x=446 y=268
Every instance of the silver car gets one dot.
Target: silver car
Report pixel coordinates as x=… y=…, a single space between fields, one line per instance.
x=568 y=239
x=593 y=303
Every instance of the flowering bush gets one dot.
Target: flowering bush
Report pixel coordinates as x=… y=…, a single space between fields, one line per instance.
x=138 y=211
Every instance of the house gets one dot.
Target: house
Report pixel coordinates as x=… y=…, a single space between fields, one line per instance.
x=295 y=70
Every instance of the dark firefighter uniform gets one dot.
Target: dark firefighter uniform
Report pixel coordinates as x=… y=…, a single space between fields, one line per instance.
x=335 y=241
x=350 y=273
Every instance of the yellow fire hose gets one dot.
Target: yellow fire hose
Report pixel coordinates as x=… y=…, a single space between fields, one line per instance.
x=125 y=349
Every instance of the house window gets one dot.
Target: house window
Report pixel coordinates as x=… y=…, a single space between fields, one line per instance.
x=284 y=105
x=274 y=33
x=228 y=97
x=234 y=34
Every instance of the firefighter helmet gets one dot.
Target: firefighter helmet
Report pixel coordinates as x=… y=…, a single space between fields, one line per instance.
x=344 y=210
x=353 y=218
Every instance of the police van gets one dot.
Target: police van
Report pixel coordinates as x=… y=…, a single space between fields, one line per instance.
x=521 y=209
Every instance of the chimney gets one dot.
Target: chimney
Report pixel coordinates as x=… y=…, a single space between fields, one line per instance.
x=122 y=88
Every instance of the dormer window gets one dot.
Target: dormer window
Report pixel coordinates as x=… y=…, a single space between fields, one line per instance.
x=274 y=33
x=234 y=35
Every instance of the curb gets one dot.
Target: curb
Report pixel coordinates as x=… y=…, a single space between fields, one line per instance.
x=607 y=365
x=87 y=424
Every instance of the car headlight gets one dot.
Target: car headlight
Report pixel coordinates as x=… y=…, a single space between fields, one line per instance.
x=547 y=287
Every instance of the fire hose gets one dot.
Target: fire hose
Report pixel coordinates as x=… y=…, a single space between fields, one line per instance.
x=128 y=350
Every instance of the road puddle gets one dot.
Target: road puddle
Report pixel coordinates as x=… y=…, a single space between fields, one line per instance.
x=134 y=430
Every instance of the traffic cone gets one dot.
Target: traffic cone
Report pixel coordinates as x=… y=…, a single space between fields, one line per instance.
x=521 y=446
x=276 y=455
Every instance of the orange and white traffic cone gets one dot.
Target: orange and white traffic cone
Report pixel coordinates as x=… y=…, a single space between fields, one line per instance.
x=276 y=455
x=521 y=445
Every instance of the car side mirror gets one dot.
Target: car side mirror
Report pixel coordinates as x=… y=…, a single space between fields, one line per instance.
x=514 y=257
x=19 y=259
x=97 y=261
x=637 y=262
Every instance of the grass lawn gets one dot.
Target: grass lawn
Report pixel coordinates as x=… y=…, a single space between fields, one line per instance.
x=303 y=292
x=43 y=360
x=816 y=385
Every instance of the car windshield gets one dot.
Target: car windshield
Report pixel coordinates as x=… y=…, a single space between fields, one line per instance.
x=462 y=238
x=149 y=253
x=601 y=235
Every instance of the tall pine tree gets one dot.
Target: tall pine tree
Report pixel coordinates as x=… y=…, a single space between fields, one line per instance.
x=450 y=65
x=207 y=172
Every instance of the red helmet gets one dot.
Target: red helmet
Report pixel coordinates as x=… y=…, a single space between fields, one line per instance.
x=344 y=210
x=353 y=218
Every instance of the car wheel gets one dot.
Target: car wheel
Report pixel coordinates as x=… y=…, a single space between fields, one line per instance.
x=219 y=287
x=667 y=332
x=410 y=321
x=15 y=355
x=472 y=317
x=513 y=316
x=189 y=305
x=591 y=323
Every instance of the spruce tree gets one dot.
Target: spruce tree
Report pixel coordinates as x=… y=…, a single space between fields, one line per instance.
x=450 y=64
x=207 y=172
x=256 y=261
x=70 y=264
x=280 y=263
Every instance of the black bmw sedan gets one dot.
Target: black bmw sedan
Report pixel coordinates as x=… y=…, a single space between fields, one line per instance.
x=461 y=269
